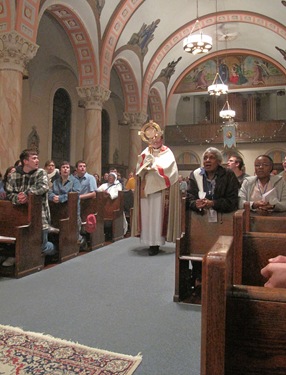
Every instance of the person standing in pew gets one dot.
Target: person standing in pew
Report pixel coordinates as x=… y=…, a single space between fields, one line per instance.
x=235 y=162
x=264 y=191
x=275 y=272
x=88 y=187
x=29 y=178
x=213 y=187
x=63 y=185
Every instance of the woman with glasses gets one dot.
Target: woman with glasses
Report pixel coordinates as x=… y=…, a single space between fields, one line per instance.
x=264 y=191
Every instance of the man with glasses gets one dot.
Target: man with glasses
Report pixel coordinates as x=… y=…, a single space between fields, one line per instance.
x=264 y=191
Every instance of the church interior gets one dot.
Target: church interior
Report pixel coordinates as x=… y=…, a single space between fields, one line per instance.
x=79 y=79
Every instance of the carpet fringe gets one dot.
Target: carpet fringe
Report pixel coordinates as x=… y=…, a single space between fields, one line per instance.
x=49 y=337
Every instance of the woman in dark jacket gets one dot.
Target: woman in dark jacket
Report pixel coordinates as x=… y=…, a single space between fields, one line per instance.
x=212 y=186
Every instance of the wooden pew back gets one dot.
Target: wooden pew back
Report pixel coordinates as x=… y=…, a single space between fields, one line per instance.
x=197 y=238
x=253 y=249
x=274 y=222
x=22 y=224
x=112 y=213
x=239 y=335
x=64 y=217
x=88 y=207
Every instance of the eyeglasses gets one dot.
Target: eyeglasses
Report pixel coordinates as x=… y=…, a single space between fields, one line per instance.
x=262 y=165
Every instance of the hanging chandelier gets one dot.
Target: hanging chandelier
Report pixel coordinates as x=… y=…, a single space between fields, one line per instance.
x=227 y=112
x=197 y=43
x=217 y=87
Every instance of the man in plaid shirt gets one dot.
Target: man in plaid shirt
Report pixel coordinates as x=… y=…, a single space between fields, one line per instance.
x=29 y=178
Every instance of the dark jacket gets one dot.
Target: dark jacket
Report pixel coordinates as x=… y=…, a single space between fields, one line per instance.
x=225 y=195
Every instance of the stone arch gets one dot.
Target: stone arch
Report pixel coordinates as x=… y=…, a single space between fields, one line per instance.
x=188 y=160
x=80 y=40
x=129 y=85
x=156 y=108
x=111 y=36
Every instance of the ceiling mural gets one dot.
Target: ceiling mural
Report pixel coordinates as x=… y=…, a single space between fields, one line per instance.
x=236 y=70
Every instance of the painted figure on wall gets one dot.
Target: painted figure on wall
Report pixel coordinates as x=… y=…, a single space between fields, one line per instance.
x=144 y=36
x=236 y=75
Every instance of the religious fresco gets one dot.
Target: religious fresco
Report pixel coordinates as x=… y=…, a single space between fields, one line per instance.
x=237 y=71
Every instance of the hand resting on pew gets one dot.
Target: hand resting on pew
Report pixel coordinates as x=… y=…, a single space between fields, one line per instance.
x=275 y=272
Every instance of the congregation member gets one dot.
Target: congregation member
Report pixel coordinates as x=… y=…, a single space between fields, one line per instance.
x=131 y=182
x=111 y=189
x=212 y=186
x=29 y=178
x=236 y=163
x=264 y=191
x=88 y=187
x=212 y=189
x=183 y=184
x=156 y=217
x=63 y=185
x=52 y=171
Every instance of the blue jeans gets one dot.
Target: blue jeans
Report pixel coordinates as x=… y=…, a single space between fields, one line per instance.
x=48 y=248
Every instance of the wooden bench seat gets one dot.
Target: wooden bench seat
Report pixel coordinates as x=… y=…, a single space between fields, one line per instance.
x=64 y=222
x=21 y=227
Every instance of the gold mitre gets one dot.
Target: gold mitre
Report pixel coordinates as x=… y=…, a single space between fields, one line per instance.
x=150 y=131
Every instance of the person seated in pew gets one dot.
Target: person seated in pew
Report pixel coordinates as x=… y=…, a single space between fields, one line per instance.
x=63 y=185
x=111 y=189
x=275 y=272
x=29 y=178
x=264 y=191
x=212 y=186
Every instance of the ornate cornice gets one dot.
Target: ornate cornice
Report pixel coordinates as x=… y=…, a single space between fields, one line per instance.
x=93 y=96
x=16 y=51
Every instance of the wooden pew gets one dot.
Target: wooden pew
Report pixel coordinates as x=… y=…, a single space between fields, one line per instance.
x=243 y=327
x=112 y=213
x=196 y=240
x=255 y=221
x=91 y=206
x=253 y=249
x=64 y=220
x=21 y=226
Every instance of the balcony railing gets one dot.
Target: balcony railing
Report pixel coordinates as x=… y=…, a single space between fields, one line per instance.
x=246 y=132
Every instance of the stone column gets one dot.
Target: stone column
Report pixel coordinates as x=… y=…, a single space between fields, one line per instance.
x=15 y=53
x=93 y=98
x=135 y=121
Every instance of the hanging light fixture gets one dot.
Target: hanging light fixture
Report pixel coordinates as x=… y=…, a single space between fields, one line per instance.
x=197 y=43
x=218 y=87
x=227 y=112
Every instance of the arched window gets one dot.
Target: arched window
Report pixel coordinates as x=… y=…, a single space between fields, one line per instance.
x=61 y=126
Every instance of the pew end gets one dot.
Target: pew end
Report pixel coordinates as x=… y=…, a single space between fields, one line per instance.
x=64 y=222
x=21 y=228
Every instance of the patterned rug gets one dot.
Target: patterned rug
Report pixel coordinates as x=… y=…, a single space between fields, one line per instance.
x=23 y=353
